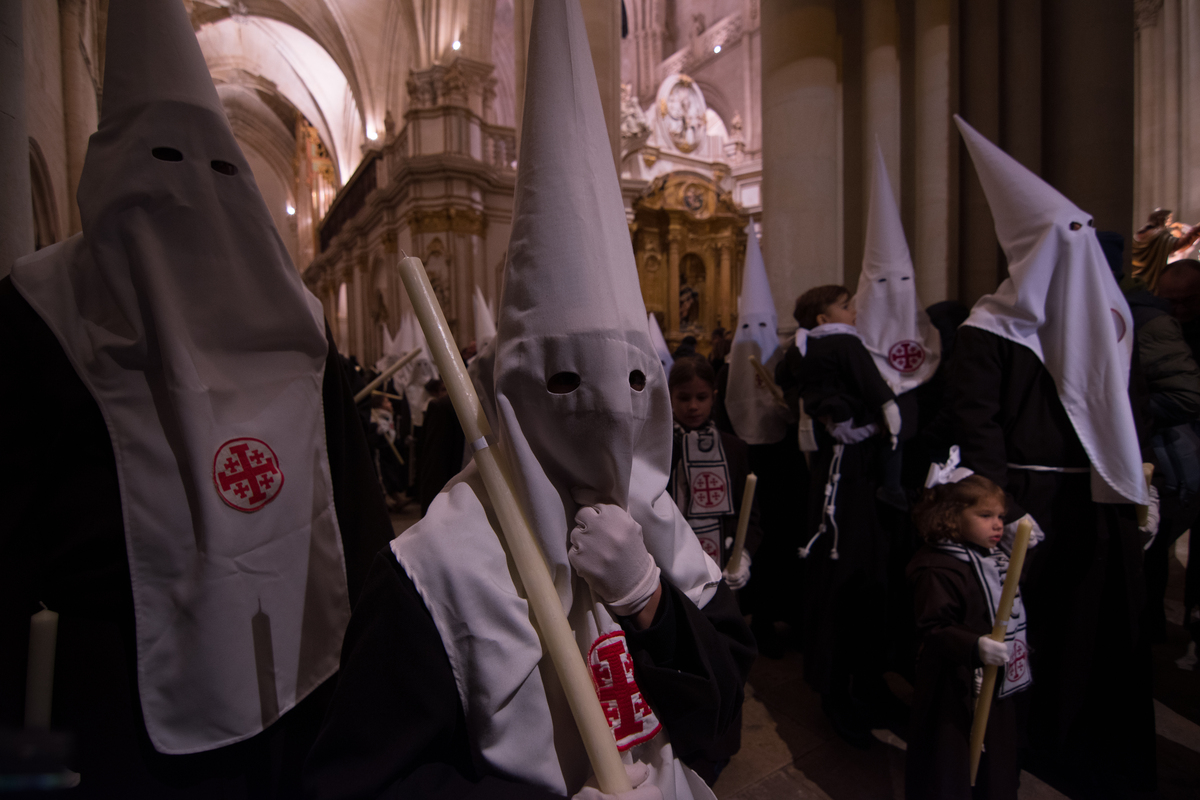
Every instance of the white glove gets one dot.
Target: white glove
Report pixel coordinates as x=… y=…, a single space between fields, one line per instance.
x=738 y=580
x=637 y=772
x=1010 y=534
x=608 y=551
x=891 y=416
x=991 y=652
x=845 y=433
x=1153 y=516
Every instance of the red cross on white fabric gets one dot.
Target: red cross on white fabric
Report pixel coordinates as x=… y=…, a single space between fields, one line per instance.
x=708 y=489
x=246 y=474
x=906 y=356
x=630 y=717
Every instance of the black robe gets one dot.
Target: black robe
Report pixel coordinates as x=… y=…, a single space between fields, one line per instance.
x=838 y=380
x=441 y=450
x=396 y=727
x=1092 y=716
x=951 y=614
x=62 y=542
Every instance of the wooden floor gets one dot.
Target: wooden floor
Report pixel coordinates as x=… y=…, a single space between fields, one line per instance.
x=790 y=752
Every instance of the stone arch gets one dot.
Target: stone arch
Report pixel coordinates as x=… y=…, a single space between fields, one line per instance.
x=45 y=209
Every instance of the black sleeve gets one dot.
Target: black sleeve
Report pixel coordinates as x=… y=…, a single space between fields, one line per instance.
x=978 y=371
x=396 y=728
x=361 y=513
x=787 y=376
x=692 y=664
x=719 y=413
x=939 y=611
x=863 y=376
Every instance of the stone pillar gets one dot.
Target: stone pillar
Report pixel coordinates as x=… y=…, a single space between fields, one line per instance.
x=881 y=93
x=1087 y=108
x=603 y=21
x=930 y=241
x=16 y=203
x=725 y=300
x=800 y=113
x=674 y=232
x=80 y=111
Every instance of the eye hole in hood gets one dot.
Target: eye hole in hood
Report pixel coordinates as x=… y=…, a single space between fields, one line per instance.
x=167 y=154
x=562 y=383
x=224 y=167
x=637 y=380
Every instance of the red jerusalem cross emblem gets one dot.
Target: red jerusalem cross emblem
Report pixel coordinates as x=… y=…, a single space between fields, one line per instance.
x=1018 y=665
x=906 y=356
x=708 y=489
x=629 y=716
x=246 y=473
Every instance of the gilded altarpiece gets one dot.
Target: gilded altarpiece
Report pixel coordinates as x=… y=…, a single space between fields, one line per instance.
x=689 y=241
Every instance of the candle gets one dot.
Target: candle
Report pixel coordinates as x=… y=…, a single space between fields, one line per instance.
x=39 y=677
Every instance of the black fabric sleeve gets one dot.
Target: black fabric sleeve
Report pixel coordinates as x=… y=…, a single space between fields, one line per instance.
x=692 y=664
x=361 y=512
x=979 y=368
x=939 y=611
x=396 y=728
x=863 y=376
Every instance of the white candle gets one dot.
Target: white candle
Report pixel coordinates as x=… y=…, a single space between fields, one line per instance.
x=39 y=678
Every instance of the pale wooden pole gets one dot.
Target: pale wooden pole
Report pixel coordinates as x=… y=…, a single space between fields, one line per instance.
x=552 y=623
x=739 y=540
x=984 y=705
x=383 y=376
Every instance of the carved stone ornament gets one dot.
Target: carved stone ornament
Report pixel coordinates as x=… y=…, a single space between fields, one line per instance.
x=681 y=113
x=1145 y=13
x=634 y=127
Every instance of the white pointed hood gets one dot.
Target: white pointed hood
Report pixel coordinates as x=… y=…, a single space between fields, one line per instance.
x=182 y=313
x=660 y=343
x=891 y=322
x=412 y=377
x=756 y=417
x=1062 y=302
x=571 y=306
x=485 y=325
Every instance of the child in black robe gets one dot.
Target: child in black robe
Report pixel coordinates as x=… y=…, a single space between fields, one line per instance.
x=847 y=549
x=962 y=523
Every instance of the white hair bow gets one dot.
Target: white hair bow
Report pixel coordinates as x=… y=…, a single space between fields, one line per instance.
x=950 y=472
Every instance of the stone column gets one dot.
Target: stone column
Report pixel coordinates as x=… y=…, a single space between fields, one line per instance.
x=80 y=111
x=674 y=232
x=800 y=113
x=16 y=204
x=930 y=242
x=881 y=93
x=725 y=303
x=1087 y=107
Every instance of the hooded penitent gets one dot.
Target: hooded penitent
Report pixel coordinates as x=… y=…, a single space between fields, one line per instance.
x=1061 y=301
x=485 y=326
x=756 y=417
x=581 y=403
x=660 y=343
x=891 y=321
x=411 y=378
x=180 y=310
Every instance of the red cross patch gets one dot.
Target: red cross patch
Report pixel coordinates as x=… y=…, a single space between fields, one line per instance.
x=1018 y=665
x=708 y=489
x=629 y=716
x=906 y=356
x=246 y=473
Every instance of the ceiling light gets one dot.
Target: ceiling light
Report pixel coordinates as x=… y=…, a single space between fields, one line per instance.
x=717 y=48
x=456 y=45
x=291 y=209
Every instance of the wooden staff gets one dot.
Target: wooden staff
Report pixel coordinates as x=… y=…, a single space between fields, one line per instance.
x=1143 y=512
x=383 y=376
x=739 y=541
x=768 y=381
x=552 y=623
x=983 y=706
x=388 y=395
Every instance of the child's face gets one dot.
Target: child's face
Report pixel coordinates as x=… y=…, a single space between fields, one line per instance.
x=692 y=402
x=842 y=311
x=983 y=523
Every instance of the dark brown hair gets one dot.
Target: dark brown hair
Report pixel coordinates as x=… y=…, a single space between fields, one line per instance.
x=690 y=367
x=815 y=301
x=939 y=514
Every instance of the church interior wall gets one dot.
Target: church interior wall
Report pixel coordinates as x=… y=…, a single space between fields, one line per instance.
x=44 y=101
